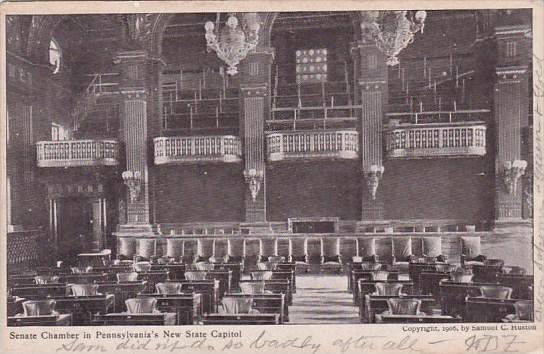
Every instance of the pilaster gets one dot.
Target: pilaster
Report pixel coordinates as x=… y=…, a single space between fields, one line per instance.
x=511 y=120
x=371 y=94
x=255 y=74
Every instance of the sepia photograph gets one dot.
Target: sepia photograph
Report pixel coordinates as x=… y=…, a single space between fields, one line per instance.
x=306 y=166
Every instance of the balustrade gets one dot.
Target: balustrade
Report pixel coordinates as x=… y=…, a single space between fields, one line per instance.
x=334 y=144
x=74 y=153
x=223 y=148
x=436 y=140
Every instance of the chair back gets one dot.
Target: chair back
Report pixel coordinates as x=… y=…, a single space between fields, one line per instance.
x=125 y=277
x=143 y=305
x=252 y=287
x=46 y=279
x=165 y=260
x=496 y=292
x=200 y=275
x=461 y=277
x=404 y=306
x=370 y=266
x=39 y=307
x=444 y=268
x=204 y=266
x=263 y=266
x=388 y=289
x=142 y=266
x=266 y=275
x=168 y=288
x=356 y=259
x=524 y=310
x=514 y=270
x=84 y=289
x=235 y=305
x=81 y=270
x=276 y=259
x=379 y=275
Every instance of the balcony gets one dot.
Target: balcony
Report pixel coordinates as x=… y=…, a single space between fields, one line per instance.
x=77 y=153
x=317 y=144
x=194 y=149
x=462 y=139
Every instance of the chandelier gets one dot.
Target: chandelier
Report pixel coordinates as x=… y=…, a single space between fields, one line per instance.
x=234 y=41
x=393 y=30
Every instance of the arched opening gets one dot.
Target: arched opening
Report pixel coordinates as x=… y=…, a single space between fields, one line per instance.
x=55 y=56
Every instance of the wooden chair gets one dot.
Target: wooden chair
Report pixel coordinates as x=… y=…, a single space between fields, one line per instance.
x=39 y=307
x=84 y=289
x=261 y=276
x=46 y=279
x=402 y=253
x=302 y=264
x=367 y=250
x=198 y=275
x=495 y=292
x=142 y=266
x=331 y=264
x=379 y=275
x=141 y=305
x=524 y=312
x=388 y=289
x=370 y=266
x=127 y=277
x=432 y=250
x=252 y=288
x=471 y=251
x=236 y=305
x=168 y=288
x=404 y=306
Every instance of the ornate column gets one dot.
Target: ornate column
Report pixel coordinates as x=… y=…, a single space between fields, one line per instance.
x=255 y=73
x=134 y=123
x=371 y=94
x=511 y=118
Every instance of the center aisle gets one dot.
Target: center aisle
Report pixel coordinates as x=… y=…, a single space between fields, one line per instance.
x=322 y=299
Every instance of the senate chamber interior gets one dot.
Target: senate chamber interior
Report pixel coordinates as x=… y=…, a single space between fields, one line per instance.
x=345 y=167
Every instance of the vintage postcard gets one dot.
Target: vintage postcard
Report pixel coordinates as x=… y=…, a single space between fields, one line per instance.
x=272 y=177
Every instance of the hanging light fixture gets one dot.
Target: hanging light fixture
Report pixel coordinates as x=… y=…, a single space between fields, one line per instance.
x=393 y=30
x=234 y=41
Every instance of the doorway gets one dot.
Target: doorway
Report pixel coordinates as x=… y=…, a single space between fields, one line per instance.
x=74 y=228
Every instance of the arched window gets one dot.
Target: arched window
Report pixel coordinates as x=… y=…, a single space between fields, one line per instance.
x=55 y=55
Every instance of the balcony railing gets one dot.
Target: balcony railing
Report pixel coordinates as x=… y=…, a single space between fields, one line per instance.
x=75 y=153
x=321 y=144
x=436 y=140
x=191 y=149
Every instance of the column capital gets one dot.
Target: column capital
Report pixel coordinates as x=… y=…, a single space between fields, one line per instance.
x=510 y=73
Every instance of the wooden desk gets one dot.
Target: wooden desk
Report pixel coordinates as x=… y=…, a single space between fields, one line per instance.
x=415 y=270
x=114 y=269
x=366 y=275
x=36 y=292
x=480 y=309
x=14 y=305
x=176 y=271
x=122 y=291
x=85 y=278
x=21 y=280
x=417 y=319
x=522 y=285
x=224 y=277
x=369 y=286
x=83 y=307
x=453 y=295
x=429 y=282
x=92 y=259
x=267 y=303
x=140 y=319
x=374 y=304
x=40 y=321
x=241 y=319
x=153 y=277
x=188 y=307
x=208 y=289
x=236 y=275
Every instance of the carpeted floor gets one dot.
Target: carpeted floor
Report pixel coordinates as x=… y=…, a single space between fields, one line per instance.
x=322 y=299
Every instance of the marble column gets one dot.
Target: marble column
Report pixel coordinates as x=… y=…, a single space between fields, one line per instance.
x=371 y=94
x=255 y=73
